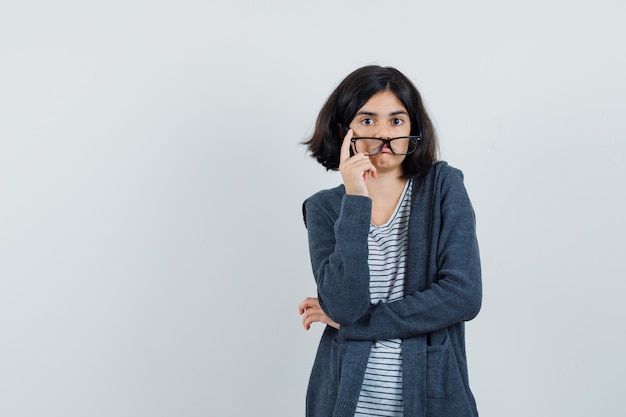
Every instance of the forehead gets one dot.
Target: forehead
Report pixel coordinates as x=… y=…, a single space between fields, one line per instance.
x=381 y=103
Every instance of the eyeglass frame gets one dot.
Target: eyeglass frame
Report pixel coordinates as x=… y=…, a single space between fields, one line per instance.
x=387 y=142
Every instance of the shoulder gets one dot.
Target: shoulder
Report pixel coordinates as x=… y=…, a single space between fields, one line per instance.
x=443 y=171
x=328 y=201
x=327 y=196
x=451 y=191
x=450 y=183
x=438 y=176
x=446 y=177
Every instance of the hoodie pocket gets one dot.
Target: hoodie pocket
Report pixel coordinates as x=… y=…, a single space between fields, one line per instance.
x=442 y=372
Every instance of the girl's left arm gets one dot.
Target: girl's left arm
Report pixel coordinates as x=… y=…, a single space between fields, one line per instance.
x=456 y=294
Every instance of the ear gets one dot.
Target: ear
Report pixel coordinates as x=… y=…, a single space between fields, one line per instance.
x=342 y=130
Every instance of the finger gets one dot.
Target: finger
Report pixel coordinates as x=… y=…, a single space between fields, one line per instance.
x=345 y=146
x=313 y=316
x=306 y=322
x=309 y=302
x=362 y=165
x=371 y=172
x=307 y=319
x=303 y=306
x=306 y=303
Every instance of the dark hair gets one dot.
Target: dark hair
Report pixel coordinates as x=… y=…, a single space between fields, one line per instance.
x=351 y=94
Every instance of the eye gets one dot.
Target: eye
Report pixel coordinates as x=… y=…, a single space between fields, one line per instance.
x=397 y=121
x=367 y=121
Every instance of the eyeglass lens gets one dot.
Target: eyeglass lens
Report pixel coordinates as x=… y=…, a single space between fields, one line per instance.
x=372 y=146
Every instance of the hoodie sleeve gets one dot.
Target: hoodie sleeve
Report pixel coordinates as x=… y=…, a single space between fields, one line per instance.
x=339 y=251
x=456 y=293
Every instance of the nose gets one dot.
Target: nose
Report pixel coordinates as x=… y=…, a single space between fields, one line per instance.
x=383 y=133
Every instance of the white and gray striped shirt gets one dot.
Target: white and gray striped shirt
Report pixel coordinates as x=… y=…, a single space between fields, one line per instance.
x=381 y=392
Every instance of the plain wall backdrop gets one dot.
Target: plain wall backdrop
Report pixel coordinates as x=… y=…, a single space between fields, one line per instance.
x=152 y=250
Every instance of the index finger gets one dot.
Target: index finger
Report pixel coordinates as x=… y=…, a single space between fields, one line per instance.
x=345 y=146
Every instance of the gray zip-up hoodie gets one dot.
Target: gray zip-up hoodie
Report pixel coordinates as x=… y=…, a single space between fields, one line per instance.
x=442 y=291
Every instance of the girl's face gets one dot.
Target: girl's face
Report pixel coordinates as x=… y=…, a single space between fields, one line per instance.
x=382 y=116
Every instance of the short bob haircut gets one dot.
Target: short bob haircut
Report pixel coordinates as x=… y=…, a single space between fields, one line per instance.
x=351 y=94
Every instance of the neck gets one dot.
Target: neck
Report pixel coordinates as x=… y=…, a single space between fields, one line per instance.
x=386 y=186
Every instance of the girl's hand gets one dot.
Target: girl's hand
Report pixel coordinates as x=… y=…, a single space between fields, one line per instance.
x=355 y=170
x=311 y=312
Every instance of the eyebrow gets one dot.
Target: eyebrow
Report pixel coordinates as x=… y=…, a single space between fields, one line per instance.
x=393 y=113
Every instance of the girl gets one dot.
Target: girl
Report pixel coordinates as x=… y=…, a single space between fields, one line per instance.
x=394 y=256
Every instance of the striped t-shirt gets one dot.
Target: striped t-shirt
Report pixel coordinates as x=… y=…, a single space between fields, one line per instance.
x=381 y=392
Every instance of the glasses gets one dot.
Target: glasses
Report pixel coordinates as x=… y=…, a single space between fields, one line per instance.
x=403 y=145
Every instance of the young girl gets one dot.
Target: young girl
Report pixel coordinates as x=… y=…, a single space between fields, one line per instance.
x=394 y=255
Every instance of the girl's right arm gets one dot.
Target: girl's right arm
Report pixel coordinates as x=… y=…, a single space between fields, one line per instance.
x=338 y=249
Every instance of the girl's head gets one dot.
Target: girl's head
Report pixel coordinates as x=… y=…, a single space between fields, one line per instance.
x=352 y=93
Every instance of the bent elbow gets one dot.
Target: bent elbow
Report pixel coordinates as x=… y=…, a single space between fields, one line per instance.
x=473 y=304
x=349 y=313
